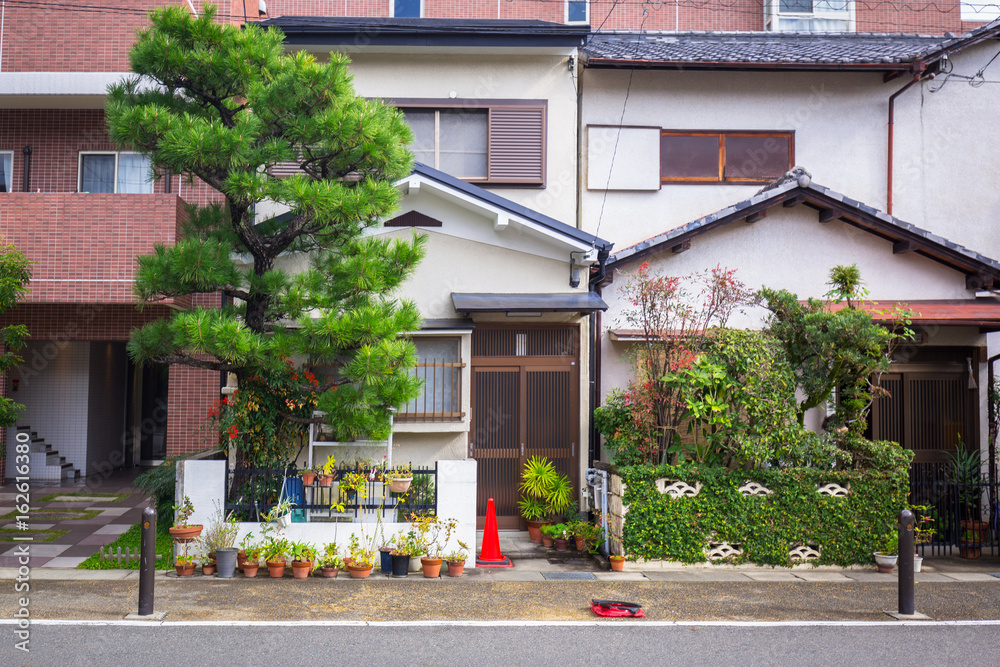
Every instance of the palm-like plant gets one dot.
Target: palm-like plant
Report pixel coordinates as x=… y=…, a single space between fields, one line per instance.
x=545 y=491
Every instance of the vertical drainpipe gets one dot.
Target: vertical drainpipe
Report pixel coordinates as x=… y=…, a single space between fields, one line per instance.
x=892 y=112
x=595 y=353
x=991 y=418
x=26 y=187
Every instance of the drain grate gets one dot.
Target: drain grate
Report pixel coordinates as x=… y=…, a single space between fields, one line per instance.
x=579 y=576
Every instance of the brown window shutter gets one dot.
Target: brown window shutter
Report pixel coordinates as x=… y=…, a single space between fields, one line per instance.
x=517 y=144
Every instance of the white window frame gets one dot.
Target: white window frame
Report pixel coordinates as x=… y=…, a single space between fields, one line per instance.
x=773 y=15
x=11 y=174
x=392 y=10
x=586 y=18
x=79 y=169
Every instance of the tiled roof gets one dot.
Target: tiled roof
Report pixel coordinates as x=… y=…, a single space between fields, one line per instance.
x=778 y=48
x=799 y=188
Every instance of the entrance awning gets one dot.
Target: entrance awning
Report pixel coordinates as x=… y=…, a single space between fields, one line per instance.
x=485 y=302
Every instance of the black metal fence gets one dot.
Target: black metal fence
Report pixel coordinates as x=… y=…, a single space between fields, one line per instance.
x=252 y=492
x=964 y=515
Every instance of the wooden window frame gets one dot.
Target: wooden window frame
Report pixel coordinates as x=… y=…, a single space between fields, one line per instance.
x=721 y=179
x=448 y=104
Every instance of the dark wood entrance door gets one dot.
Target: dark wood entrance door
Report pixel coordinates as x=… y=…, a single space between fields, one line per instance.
x=928 y=412
x=525 y=402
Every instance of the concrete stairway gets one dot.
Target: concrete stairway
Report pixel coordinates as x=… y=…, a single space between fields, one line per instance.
x=46 y=463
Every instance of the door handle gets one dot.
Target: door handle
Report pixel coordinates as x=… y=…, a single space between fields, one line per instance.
x=522 y=449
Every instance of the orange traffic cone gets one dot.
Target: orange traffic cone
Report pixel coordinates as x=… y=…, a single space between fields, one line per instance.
x=489 y=555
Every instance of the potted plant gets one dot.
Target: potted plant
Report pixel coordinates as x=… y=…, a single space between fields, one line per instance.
x=252 y=562
x=588 y=536
x=327 y=472
x=965 y=472
x=429 y=531
x=309 y=476
x=970 y=546
x=560 y=535
x=330 y=563
x=303 y=554
x=406 y=546
x=274 y=552
x=182 y=531
x=456 y=559
x=281 y=514
x=548 y=532
x=886 y=558
x=617 y=563
x=219 y=540
x=184 y=564
x=399 y=478
x=247 y=546
x=362 y=560
x=354 y=486
x=923 y=531
x=207 y=566
x=544 y=493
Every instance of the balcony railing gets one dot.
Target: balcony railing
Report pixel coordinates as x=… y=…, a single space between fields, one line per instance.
x=442 y=397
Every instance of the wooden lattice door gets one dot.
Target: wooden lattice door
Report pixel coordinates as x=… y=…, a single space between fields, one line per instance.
x=525 y=402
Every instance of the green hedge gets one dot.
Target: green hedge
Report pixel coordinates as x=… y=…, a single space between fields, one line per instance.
x=845 y=530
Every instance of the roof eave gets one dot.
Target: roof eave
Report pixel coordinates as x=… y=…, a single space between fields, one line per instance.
x=618 y=63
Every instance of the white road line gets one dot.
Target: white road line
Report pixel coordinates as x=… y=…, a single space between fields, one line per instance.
x=624 y=623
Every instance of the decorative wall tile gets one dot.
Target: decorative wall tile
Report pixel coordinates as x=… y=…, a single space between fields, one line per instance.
x=755 y=489
x=678 y=489
x=803 y=552
x=722 y=551
x=834 y=490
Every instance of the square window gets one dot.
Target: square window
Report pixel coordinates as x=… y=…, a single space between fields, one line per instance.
x=439 y=365
x=693 y=157
x=6 y=171
x=577 y=11
x=125 y=173
x=407 y=9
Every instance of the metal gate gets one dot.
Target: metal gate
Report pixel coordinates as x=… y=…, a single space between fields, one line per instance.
x=525 y=402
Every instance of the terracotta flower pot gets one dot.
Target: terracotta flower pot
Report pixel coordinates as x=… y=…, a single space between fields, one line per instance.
x=241 y=558
x=325 y=480
x=617 y=563
x=535 y=531
x=581 y=544
x=547 y=541
x=184 y=569
x=456 y=568
x=276 y=568
x=309 y=477
x=359 y=572
x=432 y=567
x=561 y=544
x=208 y=570
x=329 y=572
x=183 y=534
x=250 y=569
x=970 y=550
x=301 y=569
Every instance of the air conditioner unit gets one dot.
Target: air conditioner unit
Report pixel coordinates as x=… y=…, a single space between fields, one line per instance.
x=809 y=15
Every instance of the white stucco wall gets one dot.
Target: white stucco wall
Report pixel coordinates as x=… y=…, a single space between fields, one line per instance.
x=492 y=77
x=945 y=146
x=790 y=249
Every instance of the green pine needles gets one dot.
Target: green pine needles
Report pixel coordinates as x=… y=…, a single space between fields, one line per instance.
x=300 y=277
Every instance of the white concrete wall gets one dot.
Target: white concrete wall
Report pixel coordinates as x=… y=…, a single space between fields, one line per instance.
x=204 y=483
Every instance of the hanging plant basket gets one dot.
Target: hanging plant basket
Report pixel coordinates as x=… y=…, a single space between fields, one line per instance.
x=400 y=484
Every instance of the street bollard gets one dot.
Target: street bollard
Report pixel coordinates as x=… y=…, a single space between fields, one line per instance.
x=906 y=551
x=147 y=561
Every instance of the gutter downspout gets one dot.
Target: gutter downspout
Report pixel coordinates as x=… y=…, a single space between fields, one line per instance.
x=991 y=419
x=26 y=185
x=595 y=353
x=892 y=112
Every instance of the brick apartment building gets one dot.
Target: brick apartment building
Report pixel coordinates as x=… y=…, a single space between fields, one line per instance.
x=82 y=211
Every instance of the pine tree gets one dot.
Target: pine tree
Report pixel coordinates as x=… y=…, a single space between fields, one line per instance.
x=229 y=105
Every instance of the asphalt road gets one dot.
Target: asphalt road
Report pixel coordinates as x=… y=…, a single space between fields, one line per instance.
x=624 y=642
x=456 y=599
